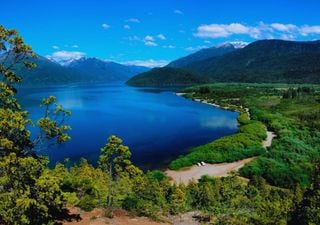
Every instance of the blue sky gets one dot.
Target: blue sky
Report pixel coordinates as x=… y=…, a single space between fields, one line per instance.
x=154 y=32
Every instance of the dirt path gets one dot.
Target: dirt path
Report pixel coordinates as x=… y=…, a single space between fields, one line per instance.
x=98 y=217
x=217 y=170
x=196 y=172
x=220 y=169
x=267 y=143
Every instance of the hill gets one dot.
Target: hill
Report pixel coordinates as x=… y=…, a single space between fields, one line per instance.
x=267 y=61
x=91 y=70
x=48 y=73
x=167 y=76
x=106 y=70
x=203 y=54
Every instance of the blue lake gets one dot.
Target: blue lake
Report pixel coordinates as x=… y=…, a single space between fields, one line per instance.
x=157 y=125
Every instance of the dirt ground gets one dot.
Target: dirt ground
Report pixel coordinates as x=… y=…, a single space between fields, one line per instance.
x=98 y=217
x=196 y=172
x=219 y=170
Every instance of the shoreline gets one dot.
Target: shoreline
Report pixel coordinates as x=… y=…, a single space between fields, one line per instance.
x=203 y=101
x=195 y=172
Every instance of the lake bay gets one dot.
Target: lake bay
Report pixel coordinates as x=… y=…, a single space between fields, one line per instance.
x=156 y=124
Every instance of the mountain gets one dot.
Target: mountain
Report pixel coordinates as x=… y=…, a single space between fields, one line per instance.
x=106 y=70
x=265 y=61
x=48 y=72
x=203 y=54
x=167 y=76
x=262 y=61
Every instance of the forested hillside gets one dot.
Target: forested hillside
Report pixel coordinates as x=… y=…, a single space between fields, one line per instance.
x=266 y=61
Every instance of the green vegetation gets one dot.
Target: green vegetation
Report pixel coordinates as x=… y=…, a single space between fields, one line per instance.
x=283 y=186
x=265 y=61
x=268 y=61
x=294 y=120
x=83 y=70
x=246 y=143
x=167 y=76
x=29 y=194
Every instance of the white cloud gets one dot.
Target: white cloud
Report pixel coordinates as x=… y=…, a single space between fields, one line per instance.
x=148 y=38
x=150 y=43
x=288 y=37
x=283 y=27
x=197 y=48
x=148 y=63
x=211 y=31
x=237 y=28
x=55 y=47
x=307 y=30
x=259 y=31
x=127 y=27
x=133 y=20
x=161 y=36
x=169 y=46
x=105 y=26
x=61 y=56
x=133 y=38
x=75 y=46
x=177 y=11
x=221 y=30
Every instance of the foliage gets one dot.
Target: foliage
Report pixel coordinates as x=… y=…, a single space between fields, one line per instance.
x=167 y=76
x=115 y=158
x=246 y=143
x=307 y=211
x=294 y=120
x=264 y=61
x=29 y=193
x=90 y=185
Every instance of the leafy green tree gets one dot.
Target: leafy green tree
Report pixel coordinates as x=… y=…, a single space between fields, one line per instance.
x=115 y=158
x=14 y=136
x=29 y=193
x=52 y=129
x=178 y=199
x=307 y=212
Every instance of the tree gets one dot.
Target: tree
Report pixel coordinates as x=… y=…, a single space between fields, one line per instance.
x=178 y=199
x=14 y=136
x=307 y=211
x=115 y=160
x=29 y=193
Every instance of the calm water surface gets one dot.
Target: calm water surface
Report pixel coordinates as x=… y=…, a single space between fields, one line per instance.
x=156 y=124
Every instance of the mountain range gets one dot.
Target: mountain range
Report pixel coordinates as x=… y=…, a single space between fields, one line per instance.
x=261 y=61
x=83 y=70
x=203 y=54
